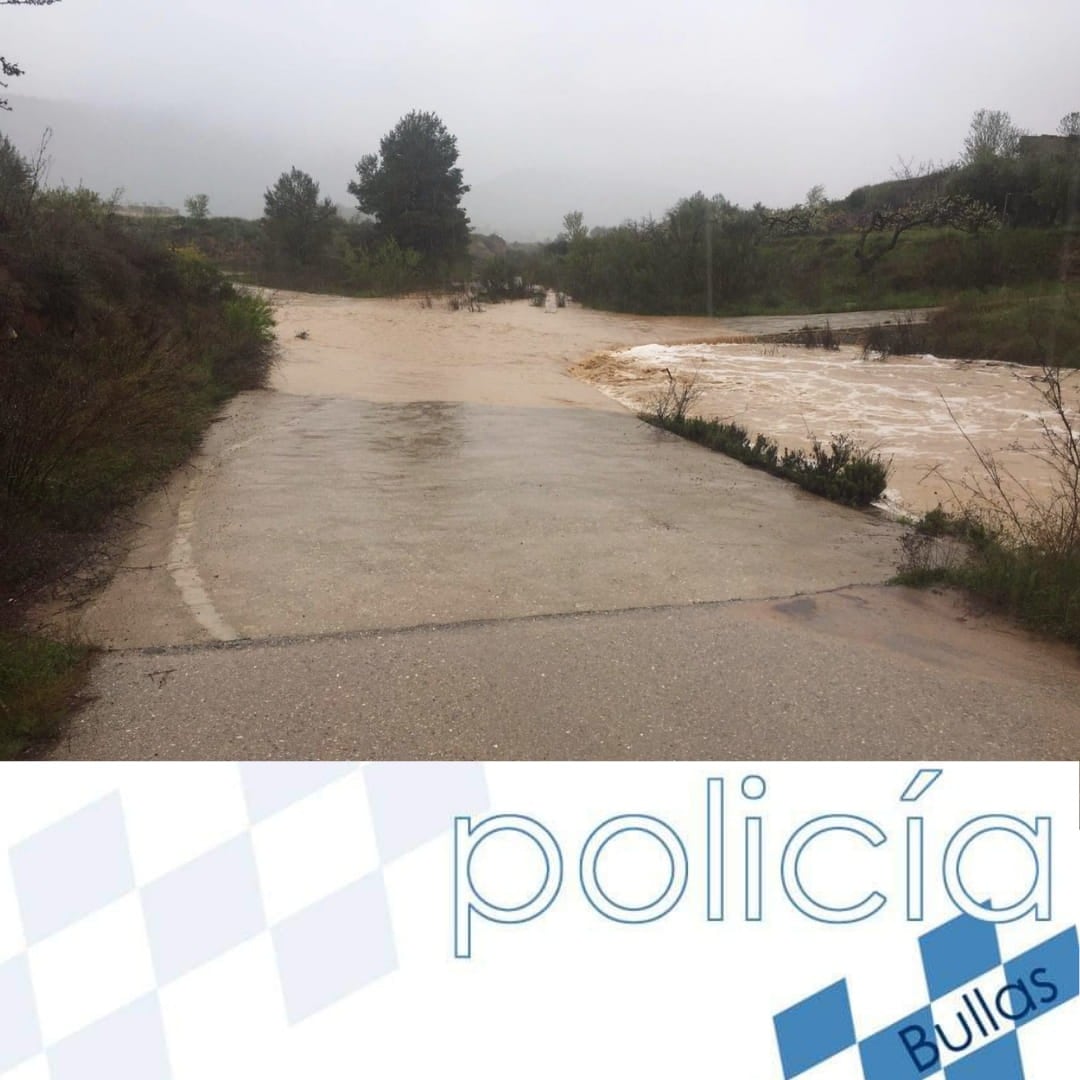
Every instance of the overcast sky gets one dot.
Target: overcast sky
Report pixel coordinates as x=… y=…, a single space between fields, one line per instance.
x=619 y=107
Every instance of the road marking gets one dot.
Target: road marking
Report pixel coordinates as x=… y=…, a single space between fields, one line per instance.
x=186 y=574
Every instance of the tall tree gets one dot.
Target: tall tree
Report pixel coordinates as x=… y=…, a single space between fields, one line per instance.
x=413 y=188
x=992 y=135
x=9 y=69
x=574 y=226
x=197 y=207
x=297 y=222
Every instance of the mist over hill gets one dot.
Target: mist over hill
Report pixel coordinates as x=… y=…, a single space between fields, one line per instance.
x=160 y=157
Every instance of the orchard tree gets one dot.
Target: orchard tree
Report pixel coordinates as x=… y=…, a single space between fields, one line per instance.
x=881 y=231
x=9 y=69
x=992 y=135
x=298 y=224
x=413 y=188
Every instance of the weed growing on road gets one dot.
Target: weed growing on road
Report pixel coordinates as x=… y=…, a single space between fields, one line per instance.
x=678 y=396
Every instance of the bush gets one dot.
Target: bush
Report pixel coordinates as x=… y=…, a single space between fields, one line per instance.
x=841 y=471
x=115 y=352
x=1012 y=326
x=905 y=337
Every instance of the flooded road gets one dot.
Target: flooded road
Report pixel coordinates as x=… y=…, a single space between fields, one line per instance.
x=429 y=539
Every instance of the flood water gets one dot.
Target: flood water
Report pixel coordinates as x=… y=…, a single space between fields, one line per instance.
x=919 y=412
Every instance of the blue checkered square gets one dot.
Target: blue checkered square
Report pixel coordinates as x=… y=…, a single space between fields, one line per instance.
x=335 y=948
x=127 y=1045
x=272 y=786
x=203 y=909
x=815 y=1030
x=957 y=953
x=1056 y=962
x=1042 y=979
x=20 y=1032
x=900 y=1052
x=72 y=868
x=411 y=801
x=999 y=1060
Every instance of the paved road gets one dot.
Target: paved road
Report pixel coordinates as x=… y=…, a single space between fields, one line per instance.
x=429 y=541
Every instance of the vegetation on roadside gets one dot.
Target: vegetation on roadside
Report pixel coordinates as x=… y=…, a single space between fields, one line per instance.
x=1019 y=326
x=839 y=470
x=39 y=679
x=115 y=353
x=1016 y=549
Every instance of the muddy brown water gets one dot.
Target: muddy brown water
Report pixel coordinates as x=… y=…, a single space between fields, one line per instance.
x=926 y=415
x=430 y=539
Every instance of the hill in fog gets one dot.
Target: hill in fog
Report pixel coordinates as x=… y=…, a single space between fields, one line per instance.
x=161 y=157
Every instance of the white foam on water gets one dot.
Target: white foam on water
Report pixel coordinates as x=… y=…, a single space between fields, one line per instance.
x=911 y=409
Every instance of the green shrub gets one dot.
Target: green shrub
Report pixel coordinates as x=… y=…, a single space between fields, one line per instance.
x=245 y=353
x=841 y=471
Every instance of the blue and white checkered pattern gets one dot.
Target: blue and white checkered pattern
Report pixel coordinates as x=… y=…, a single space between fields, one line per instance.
x=120 y=907
x=817 y=1038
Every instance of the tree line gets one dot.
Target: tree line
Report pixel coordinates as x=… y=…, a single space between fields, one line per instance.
x=936 y=227
x=887 y=243
x=409 y=226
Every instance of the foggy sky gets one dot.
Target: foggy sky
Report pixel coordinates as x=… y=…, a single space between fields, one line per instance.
x=613 y=108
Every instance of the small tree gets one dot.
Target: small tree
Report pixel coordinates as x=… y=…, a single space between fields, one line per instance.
x=1070 y=125
x=992 y=135
x=413 y=188
x=197 y=207
x=297 y=223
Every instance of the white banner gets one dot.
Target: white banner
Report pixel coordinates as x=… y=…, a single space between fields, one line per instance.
x=751 y=921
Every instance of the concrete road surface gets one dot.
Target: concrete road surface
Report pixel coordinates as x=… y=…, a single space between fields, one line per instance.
x=429 y=541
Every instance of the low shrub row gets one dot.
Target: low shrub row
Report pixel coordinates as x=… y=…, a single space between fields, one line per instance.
x=840 y=470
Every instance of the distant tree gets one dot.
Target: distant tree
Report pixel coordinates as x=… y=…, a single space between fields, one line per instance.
x=413 y=188
x=1070 y=125
x=197 y=207
x=578 y=250
x=297 y=222
x=574 y=225
x=8 y=68
x=992 y=135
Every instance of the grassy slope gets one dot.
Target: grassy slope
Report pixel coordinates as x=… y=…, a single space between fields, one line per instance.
x=928 y=267
x=122 y=352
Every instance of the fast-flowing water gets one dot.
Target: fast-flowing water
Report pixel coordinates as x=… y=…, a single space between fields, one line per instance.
x=927 y=415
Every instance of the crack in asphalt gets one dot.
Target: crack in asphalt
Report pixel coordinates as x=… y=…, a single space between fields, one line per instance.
x=288 y=640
